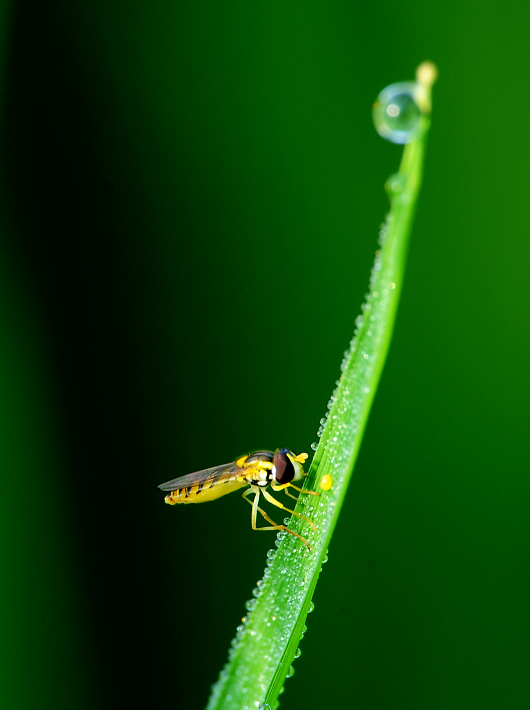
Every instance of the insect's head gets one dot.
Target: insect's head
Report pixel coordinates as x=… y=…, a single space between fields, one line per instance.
x=287 y=466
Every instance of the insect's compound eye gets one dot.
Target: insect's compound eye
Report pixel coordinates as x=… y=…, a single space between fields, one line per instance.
x=283 y=470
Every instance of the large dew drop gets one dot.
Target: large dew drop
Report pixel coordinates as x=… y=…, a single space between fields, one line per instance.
x=397 y=114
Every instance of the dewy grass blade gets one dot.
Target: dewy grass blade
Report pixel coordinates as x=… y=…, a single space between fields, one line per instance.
x=267 y=641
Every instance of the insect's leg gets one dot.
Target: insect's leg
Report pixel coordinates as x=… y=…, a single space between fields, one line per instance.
x=280 y=505
x=288 y=494
x=246 y=492
x=290 y=485
x=256 y=509
x=274 y=526
x=308 y=493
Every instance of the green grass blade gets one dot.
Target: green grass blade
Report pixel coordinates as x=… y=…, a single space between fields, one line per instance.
x=266 y=643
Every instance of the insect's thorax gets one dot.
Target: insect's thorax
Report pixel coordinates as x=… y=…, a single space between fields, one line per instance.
x=258 y=467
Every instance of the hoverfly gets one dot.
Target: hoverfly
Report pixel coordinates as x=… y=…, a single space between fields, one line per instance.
x=258 y=470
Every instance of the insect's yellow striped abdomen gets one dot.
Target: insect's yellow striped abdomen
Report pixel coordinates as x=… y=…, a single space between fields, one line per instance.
x=201 y=493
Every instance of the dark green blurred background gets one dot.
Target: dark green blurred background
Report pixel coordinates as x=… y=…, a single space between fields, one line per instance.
x=191 y=195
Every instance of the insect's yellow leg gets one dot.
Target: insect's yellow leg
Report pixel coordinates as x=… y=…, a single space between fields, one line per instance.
x=256 y=509
x=246 y=492
x=291 y=485
x=308 y=493
x=280 y=505
x=288 y=494
x=274 y=526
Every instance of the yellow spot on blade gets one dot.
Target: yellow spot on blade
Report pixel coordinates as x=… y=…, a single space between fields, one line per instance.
x=326 y=482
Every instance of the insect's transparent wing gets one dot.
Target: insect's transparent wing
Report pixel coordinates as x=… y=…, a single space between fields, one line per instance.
x=214 y=474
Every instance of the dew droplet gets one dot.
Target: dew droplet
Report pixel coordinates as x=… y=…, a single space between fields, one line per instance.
x=394 y=185
x=396 y=112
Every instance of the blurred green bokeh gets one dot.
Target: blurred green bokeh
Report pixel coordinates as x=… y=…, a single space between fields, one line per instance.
x=189 y=210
